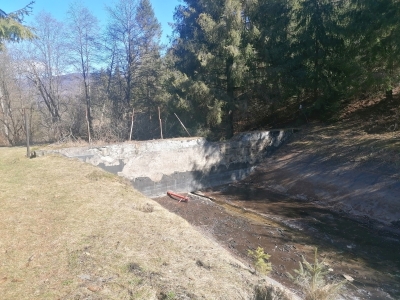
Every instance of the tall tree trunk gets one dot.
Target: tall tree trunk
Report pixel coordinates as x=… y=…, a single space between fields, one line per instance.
x=316 y=58
x=230 y=92
x=89 y=118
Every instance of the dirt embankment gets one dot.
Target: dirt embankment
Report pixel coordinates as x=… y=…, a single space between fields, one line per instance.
x=341 y=167
x=351 y=164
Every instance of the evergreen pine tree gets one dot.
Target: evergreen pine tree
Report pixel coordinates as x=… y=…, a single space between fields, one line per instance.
x=318 y=49
x=11 y=28
x=149 y=51
x=210 y=50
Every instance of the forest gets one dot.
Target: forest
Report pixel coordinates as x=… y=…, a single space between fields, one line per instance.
x=231 y=66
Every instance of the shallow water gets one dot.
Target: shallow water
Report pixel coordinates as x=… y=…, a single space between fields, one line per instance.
x=355 y=244
x=242 y=217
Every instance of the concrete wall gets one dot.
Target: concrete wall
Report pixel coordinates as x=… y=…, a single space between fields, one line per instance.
x=183 y=164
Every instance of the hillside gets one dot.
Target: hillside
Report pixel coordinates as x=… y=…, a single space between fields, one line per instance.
x=351 y=162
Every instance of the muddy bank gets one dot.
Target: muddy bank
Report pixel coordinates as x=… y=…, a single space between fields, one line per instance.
x=243 y=217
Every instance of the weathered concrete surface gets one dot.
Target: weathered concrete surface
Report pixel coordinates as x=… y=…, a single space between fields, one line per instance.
x=183 y=164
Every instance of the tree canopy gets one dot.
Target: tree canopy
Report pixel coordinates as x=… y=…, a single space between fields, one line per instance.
x=231 y=65
x=11 y=28
x=263 y=55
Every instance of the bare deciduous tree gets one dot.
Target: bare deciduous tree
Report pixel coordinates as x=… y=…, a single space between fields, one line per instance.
x=45 y=64
x=11 y=101
x=123 y=31
x=83 y=45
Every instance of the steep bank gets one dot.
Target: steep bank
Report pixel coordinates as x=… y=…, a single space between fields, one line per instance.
x=341 y=167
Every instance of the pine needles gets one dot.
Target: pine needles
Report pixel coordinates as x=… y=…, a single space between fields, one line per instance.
x=311 y=277
x=260 y=258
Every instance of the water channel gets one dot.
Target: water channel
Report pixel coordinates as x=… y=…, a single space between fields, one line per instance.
x=241 y=216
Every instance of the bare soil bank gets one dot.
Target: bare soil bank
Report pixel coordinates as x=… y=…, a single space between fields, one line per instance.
x=341 y=168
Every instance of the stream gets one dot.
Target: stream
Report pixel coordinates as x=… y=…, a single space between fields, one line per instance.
x=242 y=217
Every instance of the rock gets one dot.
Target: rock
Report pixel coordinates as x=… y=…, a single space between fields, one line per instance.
x=94 y=288
x=348 y=277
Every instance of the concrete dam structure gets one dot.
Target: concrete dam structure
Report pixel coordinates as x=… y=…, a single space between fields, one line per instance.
x=182 y=164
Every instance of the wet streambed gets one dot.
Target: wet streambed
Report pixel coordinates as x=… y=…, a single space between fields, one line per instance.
x=243 y=217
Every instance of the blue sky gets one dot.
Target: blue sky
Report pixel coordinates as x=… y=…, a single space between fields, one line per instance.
x=163 y=9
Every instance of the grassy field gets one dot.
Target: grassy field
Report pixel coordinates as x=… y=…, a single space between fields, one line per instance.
x=71 y=231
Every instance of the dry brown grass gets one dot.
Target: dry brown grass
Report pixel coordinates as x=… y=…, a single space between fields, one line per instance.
x=71 y=231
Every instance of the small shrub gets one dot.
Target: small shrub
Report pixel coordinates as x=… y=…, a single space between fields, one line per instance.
x=311 y=278
x=260 y=259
